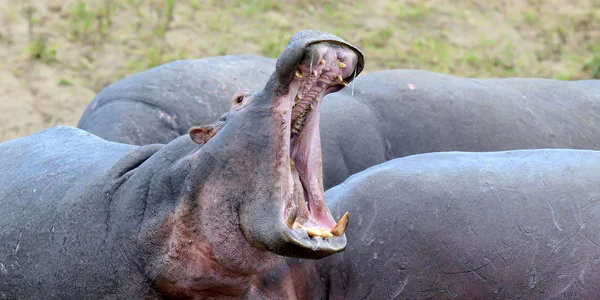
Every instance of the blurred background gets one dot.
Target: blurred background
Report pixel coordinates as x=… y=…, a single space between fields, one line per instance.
x=55 y=55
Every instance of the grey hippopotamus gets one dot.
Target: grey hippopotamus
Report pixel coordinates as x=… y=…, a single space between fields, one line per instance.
x=519 y=224
x=397 y=113
x=82 y=217
x=163 y=103
x=394 y=113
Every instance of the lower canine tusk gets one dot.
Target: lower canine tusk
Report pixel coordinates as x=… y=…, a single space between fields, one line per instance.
x=341 y=226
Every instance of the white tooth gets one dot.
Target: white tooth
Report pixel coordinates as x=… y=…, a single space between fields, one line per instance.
x=322 y=61
x=314 y=72
x=341 y=226
x=341 y=64
x=299 y=74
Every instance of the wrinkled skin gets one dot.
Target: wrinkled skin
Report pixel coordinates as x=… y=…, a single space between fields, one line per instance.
x=197 y=218
x=456 y=225
x=397 y=113
x=160 y=104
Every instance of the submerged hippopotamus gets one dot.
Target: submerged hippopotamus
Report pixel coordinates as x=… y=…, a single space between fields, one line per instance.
x=82 y=217
x=521 y=224
x=386 y=114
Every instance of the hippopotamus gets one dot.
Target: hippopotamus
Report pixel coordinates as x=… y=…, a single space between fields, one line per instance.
x=197 y=218
x=395 y=113
x=521 y=224
x=164 y=102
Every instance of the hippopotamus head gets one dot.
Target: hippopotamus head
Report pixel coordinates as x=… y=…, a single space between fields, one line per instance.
x=260 y=165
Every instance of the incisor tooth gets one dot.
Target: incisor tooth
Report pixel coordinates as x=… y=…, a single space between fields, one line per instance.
x=314 y=72
x=299 y=74
x=318 y=232
x=322 y=61
x=341 y=226
x=341 y=64
x=314 y=231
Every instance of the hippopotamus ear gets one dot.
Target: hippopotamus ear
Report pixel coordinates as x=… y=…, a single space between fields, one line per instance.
x=201 y=134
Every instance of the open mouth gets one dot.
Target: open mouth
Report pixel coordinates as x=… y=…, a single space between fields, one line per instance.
x=325 y=68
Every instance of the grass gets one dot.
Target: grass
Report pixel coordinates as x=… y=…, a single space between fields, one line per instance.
x=40 y=50
x=110 y=39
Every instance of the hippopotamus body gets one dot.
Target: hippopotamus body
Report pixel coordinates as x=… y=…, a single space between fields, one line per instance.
x=397 y=113
x=389 y=114
x=520 y=224
x=197 y=218
x=163 y=103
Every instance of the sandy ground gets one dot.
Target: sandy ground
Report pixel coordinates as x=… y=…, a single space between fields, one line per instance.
x=55 y=55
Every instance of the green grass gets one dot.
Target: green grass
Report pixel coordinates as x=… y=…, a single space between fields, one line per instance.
x=40 y=50
x=65 y=82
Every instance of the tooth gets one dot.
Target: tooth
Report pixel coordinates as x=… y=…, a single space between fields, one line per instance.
x=314 y=72
x=291 y=219
x=299 y=96
x=318 y=232
x=310 y=106
x=339 y=77
x=341 y=226
x=322 y=61
x=299 y=74
x=341 y=64
x=344 y=83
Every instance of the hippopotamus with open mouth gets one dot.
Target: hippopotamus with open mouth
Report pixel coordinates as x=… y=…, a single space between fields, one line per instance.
x=82 y=217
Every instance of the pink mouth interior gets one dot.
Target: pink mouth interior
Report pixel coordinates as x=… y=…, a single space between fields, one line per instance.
x=322 y=74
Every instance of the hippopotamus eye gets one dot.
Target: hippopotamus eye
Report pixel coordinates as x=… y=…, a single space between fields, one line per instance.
x=239 y=99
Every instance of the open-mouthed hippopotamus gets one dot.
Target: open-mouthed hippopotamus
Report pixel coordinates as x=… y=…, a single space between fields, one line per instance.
x=163 y=103
x=82 y=217
x=522 y=224
x=395 y=113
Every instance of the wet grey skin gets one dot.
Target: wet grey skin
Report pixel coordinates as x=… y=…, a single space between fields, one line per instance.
x=197 y=218
x=521 y=224
x=384 y=114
